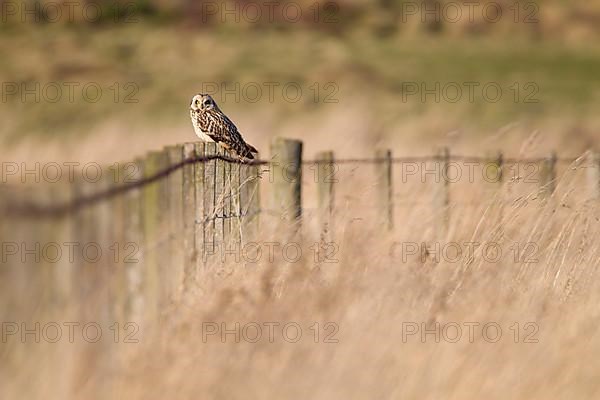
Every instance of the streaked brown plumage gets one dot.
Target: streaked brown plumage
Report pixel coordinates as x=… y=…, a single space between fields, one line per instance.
x=212 y=125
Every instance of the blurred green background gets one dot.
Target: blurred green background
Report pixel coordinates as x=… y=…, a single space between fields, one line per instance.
x=357 y=64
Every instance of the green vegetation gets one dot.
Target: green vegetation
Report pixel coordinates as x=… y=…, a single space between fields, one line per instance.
x=147 y=71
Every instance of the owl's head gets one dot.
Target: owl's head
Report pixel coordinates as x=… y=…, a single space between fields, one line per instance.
x=202 y=102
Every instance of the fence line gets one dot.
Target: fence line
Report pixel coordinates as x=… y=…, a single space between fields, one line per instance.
x=462 y=158
x=36 y=210
x=187 y=200
x=39 y=210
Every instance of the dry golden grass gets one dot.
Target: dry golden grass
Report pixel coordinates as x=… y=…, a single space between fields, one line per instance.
x=541 y=291
x=372 y=296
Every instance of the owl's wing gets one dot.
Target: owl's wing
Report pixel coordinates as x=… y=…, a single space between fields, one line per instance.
x=221 y=129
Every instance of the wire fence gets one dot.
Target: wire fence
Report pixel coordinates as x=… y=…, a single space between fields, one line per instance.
x=59 y=210
x=452 y=157
x=186 y=202
x=36 y=210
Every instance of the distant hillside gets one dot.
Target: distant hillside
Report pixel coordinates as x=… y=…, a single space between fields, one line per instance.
x=550 y=19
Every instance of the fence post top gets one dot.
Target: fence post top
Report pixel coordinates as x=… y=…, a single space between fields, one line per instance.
x=188 y=150
x=326 y=155
x=383 y=152
x=281 y=140
x=173 y=147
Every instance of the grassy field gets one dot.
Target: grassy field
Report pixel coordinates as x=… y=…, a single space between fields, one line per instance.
x=395 y=315
x=513 y=318
x=374 y=89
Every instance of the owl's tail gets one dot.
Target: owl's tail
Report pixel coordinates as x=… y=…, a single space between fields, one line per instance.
x=249 y=150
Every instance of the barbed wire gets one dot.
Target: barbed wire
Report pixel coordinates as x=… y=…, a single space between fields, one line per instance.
x=59 y=210
x=459 y=158
x=38 y=210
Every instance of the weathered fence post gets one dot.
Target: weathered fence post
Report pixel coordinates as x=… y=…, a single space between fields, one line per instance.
x=496 y=163
x=442 y=192
x=176 y=220
x=219 y=202
x=86 y=233
x=593 y=175
x=235 y=211
x=117 y=241
x=547 y=177
x=63 y=279
x=45 y=232
x=220 y=199
x=200 y=212
x=154 y=203
x=189 y=218
x=383 y=179
x=20 y=280
x=325 y=191
x=287 y=178
x=91 y=274
x=62 y=296
x=249 y=200
x=106 y=277
x=210 y=194
x=493 y=172
x=226 y=196
x=107 y=267
x=133 y=260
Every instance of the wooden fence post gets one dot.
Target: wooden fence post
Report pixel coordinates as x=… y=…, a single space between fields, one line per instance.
x=442 y=193
x=133 y=261
x=493 y=172
x=19 y=281
x=154 y=204
x=41 y=269
x=200 y=212
x=497 y=162
x=120 y=249
x=249 y=201
x=86 y=232
x=211 y=211
x=385 y=192
x=235 y=211
x=91 y=276
x=64 y=269
x=189 y=218
x=106 y=267
x=325 y=191
x=287 y=178
x=547 y=177
x=106 y=277
x=593 y=175
x=219 y=209
x=226 y=196
x=175 y=183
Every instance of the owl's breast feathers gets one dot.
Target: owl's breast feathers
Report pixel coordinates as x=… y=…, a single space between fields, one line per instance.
x=218 y=126
x=220 y=129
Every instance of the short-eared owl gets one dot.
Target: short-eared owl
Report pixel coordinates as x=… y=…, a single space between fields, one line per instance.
x=211 y=125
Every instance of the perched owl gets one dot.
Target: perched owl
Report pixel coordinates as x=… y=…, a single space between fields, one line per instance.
x=211 y=125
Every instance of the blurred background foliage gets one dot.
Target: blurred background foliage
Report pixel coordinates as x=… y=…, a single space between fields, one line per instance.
x=549 y=19
x=369 y=50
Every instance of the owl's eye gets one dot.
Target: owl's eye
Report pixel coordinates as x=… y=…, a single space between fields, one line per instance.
x=206 y=102
x=197 y=102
